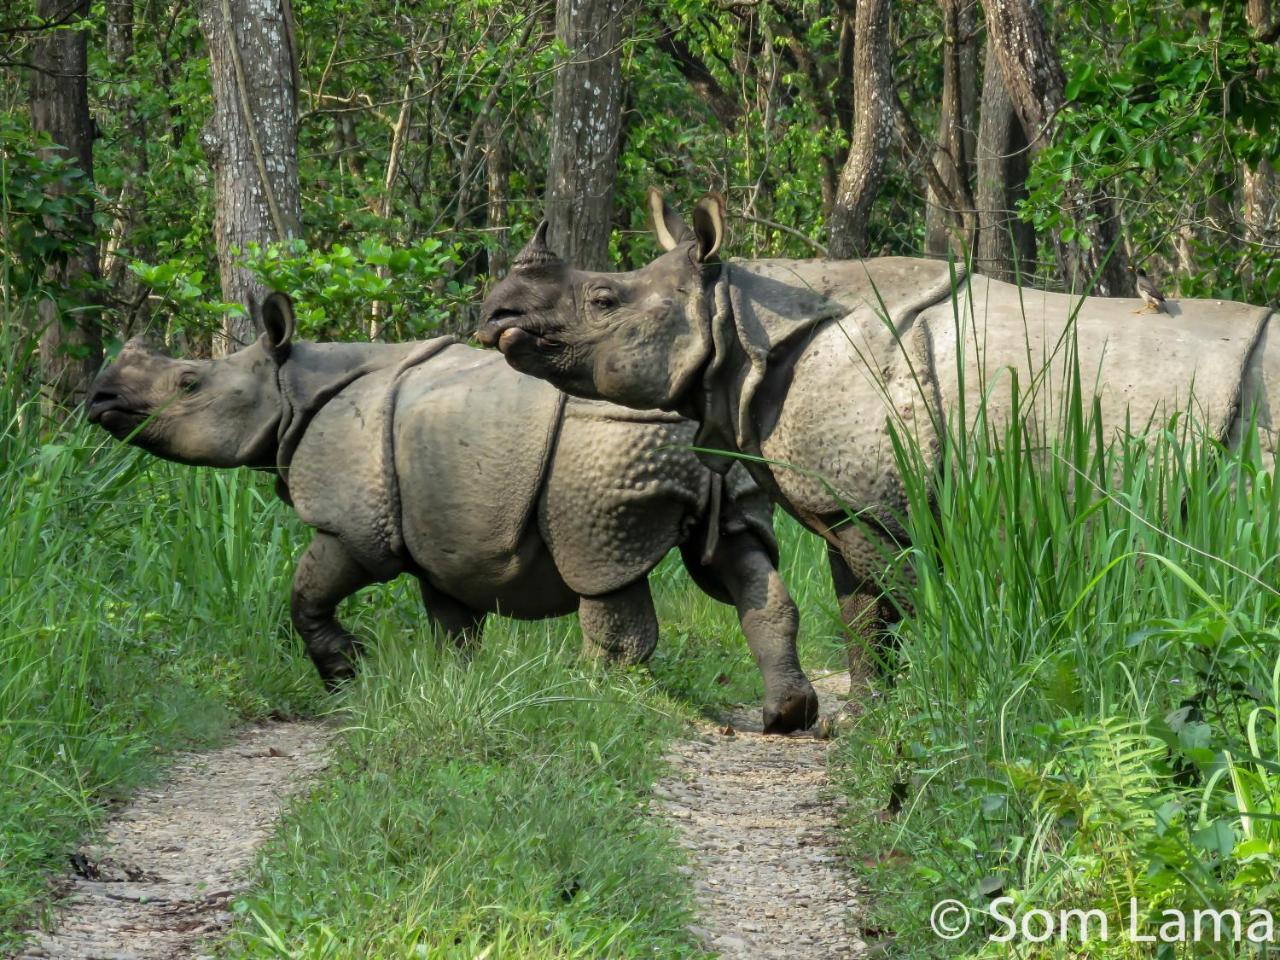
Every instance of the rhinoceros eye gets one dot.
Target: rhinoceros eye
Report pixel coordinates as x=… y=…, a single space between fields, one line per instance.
x=188 y=381
x=604 y=299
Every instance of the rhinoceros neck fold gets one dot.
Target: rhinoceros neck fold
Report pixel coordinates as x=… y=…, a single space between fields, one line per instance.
x=259 y=451
x=317 y=372
x=336 y=457
x=715 y=405
x=773 y=316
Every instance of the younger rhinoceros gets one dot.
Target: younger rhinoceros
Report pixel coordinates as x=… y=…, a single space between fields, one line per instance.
x=809 y=363
x=493 y=490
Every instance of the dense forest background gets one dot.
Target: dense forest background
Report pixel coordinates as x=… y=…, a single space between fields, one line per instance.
x=396 y=154
x=1084 y=699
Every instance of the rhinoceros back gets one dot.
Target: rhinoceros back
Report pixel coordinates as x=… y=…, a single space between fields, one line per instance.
x=840 y=350
x=1142 y=369
x=472 y=439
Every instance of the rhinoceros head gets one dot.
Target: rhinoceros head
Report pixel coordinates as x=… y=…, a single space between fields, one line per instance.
x=635 y=338
x=218 y=413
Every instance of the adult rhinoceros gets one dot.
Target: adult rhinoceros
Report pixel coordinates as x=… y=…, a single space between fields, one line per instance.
x=804 y=364
x=498 y=494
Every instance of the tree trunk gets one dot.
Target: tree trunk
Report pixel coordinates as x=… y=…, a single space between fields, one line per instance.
x=1259 y=201
x=585 y=124
x=70 y=342
x=1006 y=244
x=872 y=130
x=126 y=131
x=1036 y=84
x=497 y=162
x=252 y=142
x=1260 y=192
x=843 y=87
x=957 y=126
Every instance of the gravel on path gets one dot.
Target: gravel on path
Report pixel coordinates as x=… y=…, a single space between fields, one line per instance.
x=758 y=817
x=159 y=882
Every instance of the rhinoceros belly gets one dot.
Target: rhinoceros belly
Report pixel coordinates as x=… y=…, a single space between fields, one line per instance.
x=472 y=440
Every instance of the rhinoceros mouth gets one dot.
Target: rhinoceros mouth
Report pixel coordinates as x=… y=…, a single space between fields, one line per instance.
x=517 y=340
x=115 y=418
x=515 y=334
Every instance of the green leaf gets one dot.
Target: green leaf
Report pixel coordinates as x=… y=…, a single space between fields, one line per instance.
x=1217 y=838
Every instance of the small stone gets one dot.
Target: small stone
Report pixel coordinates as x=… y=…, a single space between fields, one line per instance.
x=701 y=934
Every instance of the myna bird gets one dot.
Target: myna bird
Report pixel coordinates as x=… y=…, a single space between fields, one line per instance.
x=1149 y=293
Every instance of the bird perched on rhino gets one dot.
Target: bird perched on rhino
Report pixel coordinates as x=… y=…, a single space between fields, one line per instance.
x=1149 y=292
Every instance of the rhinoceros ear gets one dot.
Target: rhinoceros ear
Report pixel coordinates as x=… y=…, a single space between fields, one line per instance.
x=277 y=324
x=671 y=230
x=708 y=225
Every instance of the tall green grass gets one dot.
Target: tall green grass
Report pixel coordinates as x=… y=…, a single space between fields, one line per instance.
x=142 y=609
x=1087 y=682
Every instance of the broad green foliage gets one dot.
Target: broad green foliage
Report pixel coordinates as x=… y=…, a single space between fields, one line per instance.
x=1169 y=103
x=333 y=290
x=43 y=195
x=330 y=287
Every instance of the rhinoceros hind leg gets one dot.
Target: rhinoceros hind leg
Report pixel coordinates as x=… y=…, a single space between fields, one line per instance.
x=620 y=625
x=326 y=575
x=770 y=621
x=865 y=607
x=454 y=621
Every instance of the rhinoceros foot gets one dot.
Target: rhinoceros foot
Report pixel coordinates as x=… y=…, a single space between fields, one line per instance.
x=336 y=674
x=795 y=709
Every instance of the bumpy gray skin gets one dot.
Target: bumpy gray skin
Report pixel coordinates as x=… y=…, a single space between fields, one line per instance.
x=804 y=364
x=491 y=488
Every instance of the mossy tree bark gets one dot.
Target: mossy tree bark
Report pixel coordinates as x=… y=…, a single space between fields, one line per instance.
x=1037 y=88
x=586 y=123
x=70 y=334
x=957 y=132
x=1006 y=244
x=252 y=143
x=863 y=169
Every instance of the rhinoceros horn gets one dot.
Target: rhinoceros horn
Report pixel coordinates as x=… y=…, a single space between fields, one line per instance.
x=536 y=253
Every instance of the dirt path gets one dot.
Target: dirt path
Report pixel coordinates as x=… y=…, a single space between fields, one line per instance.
x=758 y=817
x=162 y=877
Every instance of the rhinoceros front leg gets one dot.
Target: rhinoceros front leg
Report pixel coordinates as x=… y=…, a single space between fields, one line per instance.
x=326 y=575
x=620 y=625
x=770 y=620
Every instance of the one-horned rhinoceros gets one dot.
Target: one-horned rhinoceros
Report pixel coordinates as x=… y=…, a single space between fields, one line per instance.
x=807 y=364
x=493 y=489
